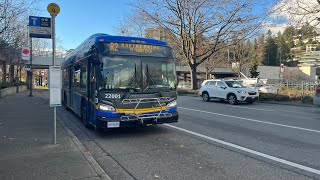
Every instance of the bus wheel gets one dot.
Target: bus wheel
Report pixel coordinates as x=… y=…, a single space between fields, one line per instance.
x=84 y=117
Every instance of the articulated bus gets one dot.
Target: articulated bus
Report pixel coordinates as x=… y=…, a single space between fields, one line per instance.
x=118 y=81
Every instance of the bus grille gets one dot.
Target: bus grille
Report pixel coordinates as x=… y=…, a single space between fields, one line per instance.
x=157 y=107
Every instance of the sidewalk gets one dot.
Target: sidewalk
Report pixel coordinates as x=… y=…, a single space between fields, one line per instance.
x=26 y=137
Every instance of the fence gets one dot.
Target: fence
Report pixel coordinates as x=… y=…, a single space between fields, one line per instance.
x=297 y=88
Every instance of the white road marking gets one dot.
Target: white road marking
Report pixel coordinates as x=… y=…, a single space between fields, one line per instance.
x=253 y=120
x=260 y=109
x=270 y=110
x=286 y=162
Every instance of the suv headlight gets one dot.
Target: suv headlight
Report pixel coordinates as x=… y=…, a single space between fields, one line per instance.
x=241 y=92
x=105 y=107
x=172 y=104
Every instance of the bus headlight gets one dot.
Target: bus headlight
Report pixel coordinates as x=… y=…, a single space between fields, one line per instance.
x=105 y=107
x=172 y=104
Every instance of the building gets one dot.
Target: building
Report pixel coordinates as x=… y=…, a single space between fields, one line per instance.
x=301 y=73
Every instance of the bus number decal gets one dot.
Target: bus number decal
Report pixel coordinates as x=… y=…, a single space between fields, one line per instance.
x=112 y=96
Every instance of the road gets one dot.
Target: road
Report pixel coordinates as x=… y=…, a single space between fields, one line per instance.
x=212 y=140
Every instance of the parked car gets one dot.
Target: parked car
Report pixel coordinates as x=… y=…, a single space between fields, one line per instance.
x=230 y=90
x=264 y=88
x=316 y=99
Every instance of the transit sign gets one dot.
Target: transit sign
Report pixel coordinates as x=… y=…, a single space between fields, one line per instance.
x=27 y=68
x=53 y=9
x=39 y=27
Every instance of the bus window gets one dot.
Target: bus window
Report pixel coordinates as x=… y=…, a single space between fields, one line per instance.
x=83 y=77
x=65 y=78
x=76 y=76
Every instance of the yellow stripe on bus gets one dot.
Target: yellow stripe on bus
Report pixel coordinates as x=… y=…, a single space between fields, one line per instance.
x=140 y=111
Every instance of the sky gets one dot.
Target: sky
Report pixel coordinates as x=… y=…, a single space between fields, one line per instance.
x=78 y=19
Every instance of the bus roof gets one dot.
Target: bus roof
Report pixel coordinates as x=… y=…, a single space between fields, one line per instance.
x=81 y=50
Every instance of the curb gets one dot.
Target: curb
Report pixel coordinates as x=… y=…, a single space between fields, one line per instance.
x=288 y=104
x=191 y=95
x=96 y=167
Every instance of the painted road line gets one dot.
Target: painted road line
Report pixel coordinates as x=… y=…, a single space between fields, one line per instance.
x=260 y=109
x=283 y=161
x=270 y=110
x=252 y=120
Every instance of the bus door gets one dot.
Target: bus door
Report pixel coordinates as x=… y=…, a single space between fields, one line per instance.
x=92 y=88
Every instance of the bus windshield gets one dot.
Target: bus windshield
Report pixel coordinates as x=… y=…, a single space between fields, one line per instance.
x=137 y=74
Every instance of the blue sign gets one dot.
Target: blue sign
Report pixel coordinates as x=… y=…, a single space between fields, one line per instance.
x=39 y=27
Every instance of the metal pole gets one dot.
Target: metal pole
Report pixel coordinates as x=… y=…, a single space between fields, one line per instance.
x=53 y=63
x=30 y=95
x=55 y=125
x=53 y=39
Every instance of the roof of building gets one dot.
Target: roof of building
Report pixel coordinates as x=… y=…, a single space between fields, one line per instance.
x=214 y=71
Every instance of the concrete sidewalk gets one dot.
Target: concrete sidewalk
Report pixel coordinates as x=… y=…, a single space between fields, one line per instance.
x=26 y=137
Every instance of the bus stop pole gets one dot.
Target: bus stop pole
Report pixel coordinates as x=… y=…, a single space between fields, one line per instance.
x=31 y=69
x=53 y=63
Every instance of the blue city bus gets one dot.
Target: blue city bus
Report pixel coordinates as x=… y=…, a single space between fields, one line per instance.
x=117 y=81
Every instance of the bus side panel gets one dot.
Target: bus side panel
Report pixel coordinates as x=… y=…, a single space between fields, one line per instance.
x=77 y=102
x=93 y=113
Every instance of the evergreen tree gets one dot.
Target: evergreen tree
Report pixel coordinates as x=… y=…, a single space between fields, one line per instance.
x=271 y=50
x=253 y=71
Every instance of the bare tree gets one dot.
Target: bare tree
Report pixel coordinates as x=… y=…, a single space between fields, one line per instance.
x=132 y=24
x=199 y=26
x=299 y=11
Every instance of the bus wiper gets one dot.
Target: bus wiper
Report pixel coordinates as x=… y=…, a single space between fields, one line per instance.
x=157 y=87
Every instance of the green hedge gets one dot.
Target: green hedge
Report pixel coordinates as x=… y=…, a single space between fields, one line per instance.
x=273 y=97
x=189 y=92
x=307 y=100
x=11 y=84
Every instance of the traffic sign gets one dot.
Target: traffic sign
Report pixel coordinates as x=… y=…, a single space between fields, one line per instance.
x=53 y=9
x=39 y=27
x=25 y=53
x=27 y=68
x=282 y=68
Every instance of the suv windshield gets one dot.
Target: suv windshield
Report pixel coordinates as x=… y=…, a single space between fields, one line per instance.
x=234 y=84
x=137 y=73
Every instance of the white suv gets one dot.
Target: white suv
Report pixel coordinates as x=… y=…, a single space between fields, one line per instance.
x=231 y=90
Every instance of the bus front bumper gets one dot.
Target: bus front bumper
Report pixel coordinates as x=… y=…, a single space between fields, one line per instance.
x=118 y=122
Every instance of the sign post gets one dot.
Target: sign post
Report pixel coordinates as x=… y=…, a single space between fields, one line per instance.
x=30 y=72
x=55 y=71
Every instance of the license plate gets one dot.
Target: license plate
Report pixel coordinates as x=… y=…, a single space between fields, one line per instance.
x=113 y=124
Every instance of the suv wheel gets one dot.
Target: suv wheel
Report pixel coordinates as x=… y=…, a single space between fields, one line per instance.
x=232 y=99
x=205 y=97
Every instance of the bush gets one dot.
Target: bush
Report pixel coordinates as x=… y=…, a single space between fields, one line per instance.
x=184 y=91
x=307 y=100
x=11 y=84
x=273 y=97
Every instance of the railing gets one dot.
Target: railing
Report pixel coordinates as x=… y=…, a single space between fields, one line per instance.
x=300 y=88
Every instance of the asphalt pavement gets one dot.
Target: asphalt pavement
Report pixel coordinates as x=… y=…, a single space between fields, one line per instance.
x=212 y=140
x=26 y=143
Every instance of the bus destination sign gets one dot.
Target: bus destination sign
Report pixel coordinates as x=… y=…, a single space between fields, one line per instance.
x=142 y=49
x=134 y=48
